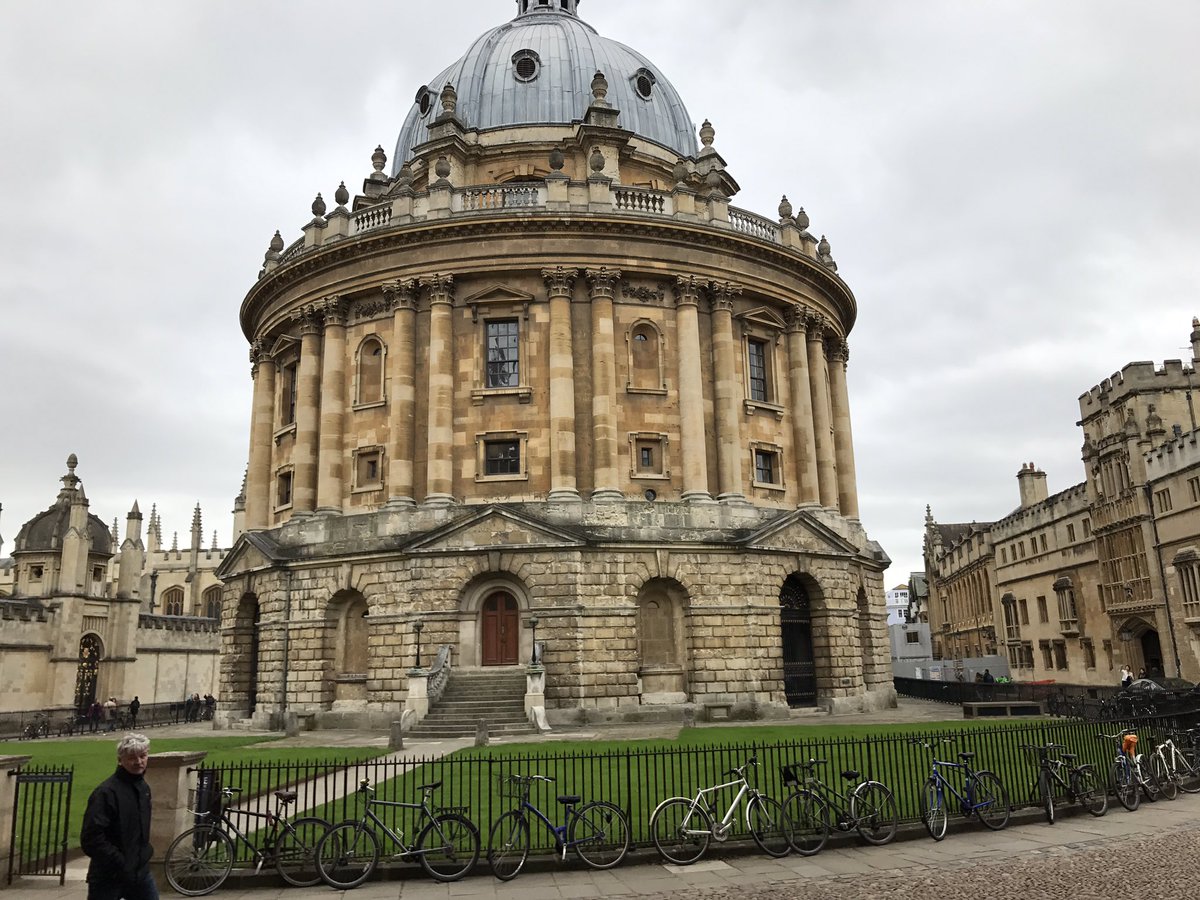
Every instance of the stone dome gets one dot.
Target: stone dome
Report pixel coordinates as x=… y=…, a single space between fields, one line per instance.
x=537 y=70
x=44 y=533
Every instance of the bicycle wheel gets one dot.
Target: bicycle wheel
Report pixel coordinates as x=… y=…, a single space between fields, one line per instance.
x=508 y=845
x=933 y=809
x=1123 y=784
x=449 y=847
x=1187 y=773
x=873 y=809
x=347 y=854
x=769 y=826
x=199 y=860
x=681 y=830
x=808 y=816
x=600 y=834
x=1046 y=795
x=1089 y=793
x=1164 y=776
x=991 y=800
x=1144 y=772
x=296 y=851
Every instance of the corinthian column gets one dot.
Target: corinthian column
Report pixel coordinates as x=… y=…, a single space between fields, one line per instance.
x=331 y=464
x=691 y=397
x=727 y=388
x=560 y=283
x=439 y=488
x=308 y=405
x=818 y=379
x=402 y=399
x=602 y=284
x=262 y=415
x=802 y=410
x=843 y=441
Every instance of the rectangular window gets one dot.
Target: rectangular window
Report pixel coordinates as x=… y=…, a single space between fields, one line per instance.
x=1087 y=528
x=502 y=457
x=1042 y=541
x=503 y=354
x=1003 y=556
x=647 y=455
x=756 y=356
x=1162 y=500
x=766 y=467
x=283 y=489
x=287 y=394
x=1027 y=653
x=912 y=637
x=1089 y=654
x=1194 y=486
x=1043 y=615
x=1071 y=533
x=1024 y=608
x=35 y=573
x=368 y=469
x=646 y=458
x=1106 y=645
x=1060 y=655
x=1047 y=655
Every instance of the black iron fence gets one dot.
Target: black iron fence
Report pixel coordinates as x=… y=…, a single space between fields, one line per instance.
x=1073 y=700
x=41 y=822
x=637 y=780
x=58 y=722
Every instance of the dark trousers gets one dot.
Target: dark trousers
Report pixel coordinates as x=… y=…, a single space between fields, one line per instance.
x=143 y=889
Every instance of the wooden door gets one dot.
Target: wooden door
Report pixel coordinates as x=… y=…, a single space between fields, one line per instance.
x=501 y=630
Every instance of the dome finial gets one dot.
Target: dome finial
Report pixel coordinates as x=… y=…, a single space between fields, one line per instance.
x=378 y=159
x=707 y=134
x=318 y=206
x=449 y=99
x=599 y=89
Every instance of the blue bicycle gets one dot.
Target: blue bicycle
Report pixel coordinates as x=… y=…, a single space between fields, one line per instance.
x=598 y=832
x=983 y=794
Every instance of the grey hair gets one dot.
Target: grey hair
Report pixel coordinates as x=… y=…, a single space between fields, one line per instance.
x=133 y=745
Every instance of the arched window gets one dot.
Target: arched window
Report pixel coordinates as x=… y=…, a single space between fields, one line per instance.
x=645 y=358
x=172 y=601
x=370 y=371
x=212 y=602
x=354 y=638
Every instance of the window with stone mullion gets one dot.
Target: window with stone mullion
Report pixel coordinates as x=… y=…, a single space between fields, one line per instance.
x=503 y=354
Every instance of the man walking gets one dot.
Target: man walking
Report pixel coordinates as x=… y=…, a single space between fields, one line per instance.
x=134 y=705
x=116 y=829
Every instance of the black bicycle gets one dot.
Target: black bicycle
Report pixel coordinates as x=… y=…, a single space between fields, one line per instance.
x=868 y=808
x=1057 y=774
x=200 y=859
x=983 y=795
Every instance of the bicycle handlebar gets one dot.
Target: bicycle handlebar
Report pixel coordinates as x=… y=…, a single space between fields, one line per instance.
x=740 y=771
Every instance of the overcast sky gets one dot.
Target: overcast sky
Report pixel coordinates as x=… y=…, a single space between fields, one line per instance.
x=1010 y=189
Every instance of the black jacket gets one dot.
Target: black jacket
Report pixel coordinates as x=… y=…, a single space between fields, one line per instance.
x=116 y=829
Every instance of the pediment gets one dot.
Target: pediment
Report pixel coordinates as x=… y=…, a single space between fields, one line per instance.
x=283 y=344
x=763 y=317
x=802 y=532
x=494 y=529
x=499 y=295
x=250 y=552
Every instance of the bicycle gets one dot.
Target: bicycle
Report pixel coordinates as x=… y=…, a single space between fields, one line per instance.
x=868 y=808
x=682 y=827
x=1172 y=768
x=983 y=794
x=447 y=847
x=199 y=860
x=1129 y=772
x=598 y=832
x=38 y=728
x=1080 y=783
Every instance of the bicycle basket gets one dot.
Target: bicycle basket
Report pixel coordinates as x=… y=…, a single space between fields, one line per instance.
x=790 y=777
x=1129 y=744
x=514 y=786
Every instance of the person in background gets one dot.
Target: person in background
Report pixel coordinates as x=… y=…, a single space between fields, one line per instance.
x=110 y=713
x=987 y=677
x=134 y=705
x=1126 y=676
x=116 y=829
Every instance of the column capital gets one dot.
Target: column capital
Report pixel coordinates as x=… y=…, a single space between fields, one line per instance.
x=796 y=318
x=722 y=294
x=334 y=310
x=560 y=282
x=441 y=288
x=309 y=316
x=401 y=294
x=688 y=290
x=839 y=350
x=602 y=282
x=818 y=325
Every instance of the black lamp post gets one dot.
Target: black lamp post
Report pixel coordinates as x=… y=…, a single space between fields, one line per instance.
x=417 y=627
x=533 y=624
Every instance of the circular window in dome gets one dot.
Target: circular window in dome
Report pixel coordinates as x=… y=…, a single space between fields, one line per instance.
x=526 y=65
x=643 y=83
x=424 y=99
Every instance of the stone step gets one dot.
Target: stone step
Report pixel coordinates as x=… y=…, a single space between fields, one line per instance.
x=445 y=733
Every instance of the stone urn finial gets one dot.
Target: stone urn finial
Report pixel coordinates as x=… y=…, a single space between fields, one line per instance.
x=405 y=176
x=277 y=243
x=785 y=208
x=341 y=195
x=449 y=99
x=823 y=246
x=378 y=159
x=557 y=159
x=318 y=206
x=802 y=220
x=707 y=133
x=442 y=168
x=599 y=89
x=596 y=160
x=681 y=172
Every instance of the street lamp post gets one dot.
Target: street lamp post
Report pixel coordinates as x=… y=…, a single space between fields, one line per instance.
x=533 y=624
x=418 y=626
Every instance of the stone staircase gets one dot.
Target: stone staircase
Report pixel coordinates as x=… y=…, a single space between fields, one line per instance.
x=495 y=696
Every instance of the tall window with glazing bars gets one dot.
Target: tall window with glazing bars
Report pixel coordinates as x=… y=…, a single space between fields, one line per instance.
x=503 y=356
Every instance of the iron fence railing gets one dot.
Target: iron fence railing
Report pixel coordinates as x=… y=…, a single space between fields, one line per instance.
x=61 y=722
x=41 y=822
x=637 y=780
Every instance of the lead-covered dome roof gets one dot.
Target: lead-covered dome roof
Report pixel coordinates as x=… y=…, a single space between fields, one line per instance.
x=45 y=531
x=537 y=70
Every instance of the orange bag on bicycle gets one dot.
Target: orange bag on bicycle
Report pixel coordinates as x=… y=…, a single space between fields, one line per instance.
x=1129 y=745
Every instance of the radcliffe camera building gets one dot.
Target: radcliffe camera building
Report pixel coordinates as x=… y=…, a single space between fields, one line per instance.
x=541 y=373
x=1069 y=586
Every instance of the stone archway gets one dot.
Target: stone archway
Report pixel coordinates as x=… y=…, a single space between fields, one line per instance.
x=796 y=640
x=662 y=655
x=493 y=619
x=241 y=660
x=91 y=651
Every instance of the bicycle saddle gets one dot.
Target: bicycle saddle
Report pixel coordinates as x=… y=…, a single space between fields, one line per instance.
x=850 y=775
x=432 y=786
x=1069 y=757
x=966 y=757
x=566 y=800
x=285 y=796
